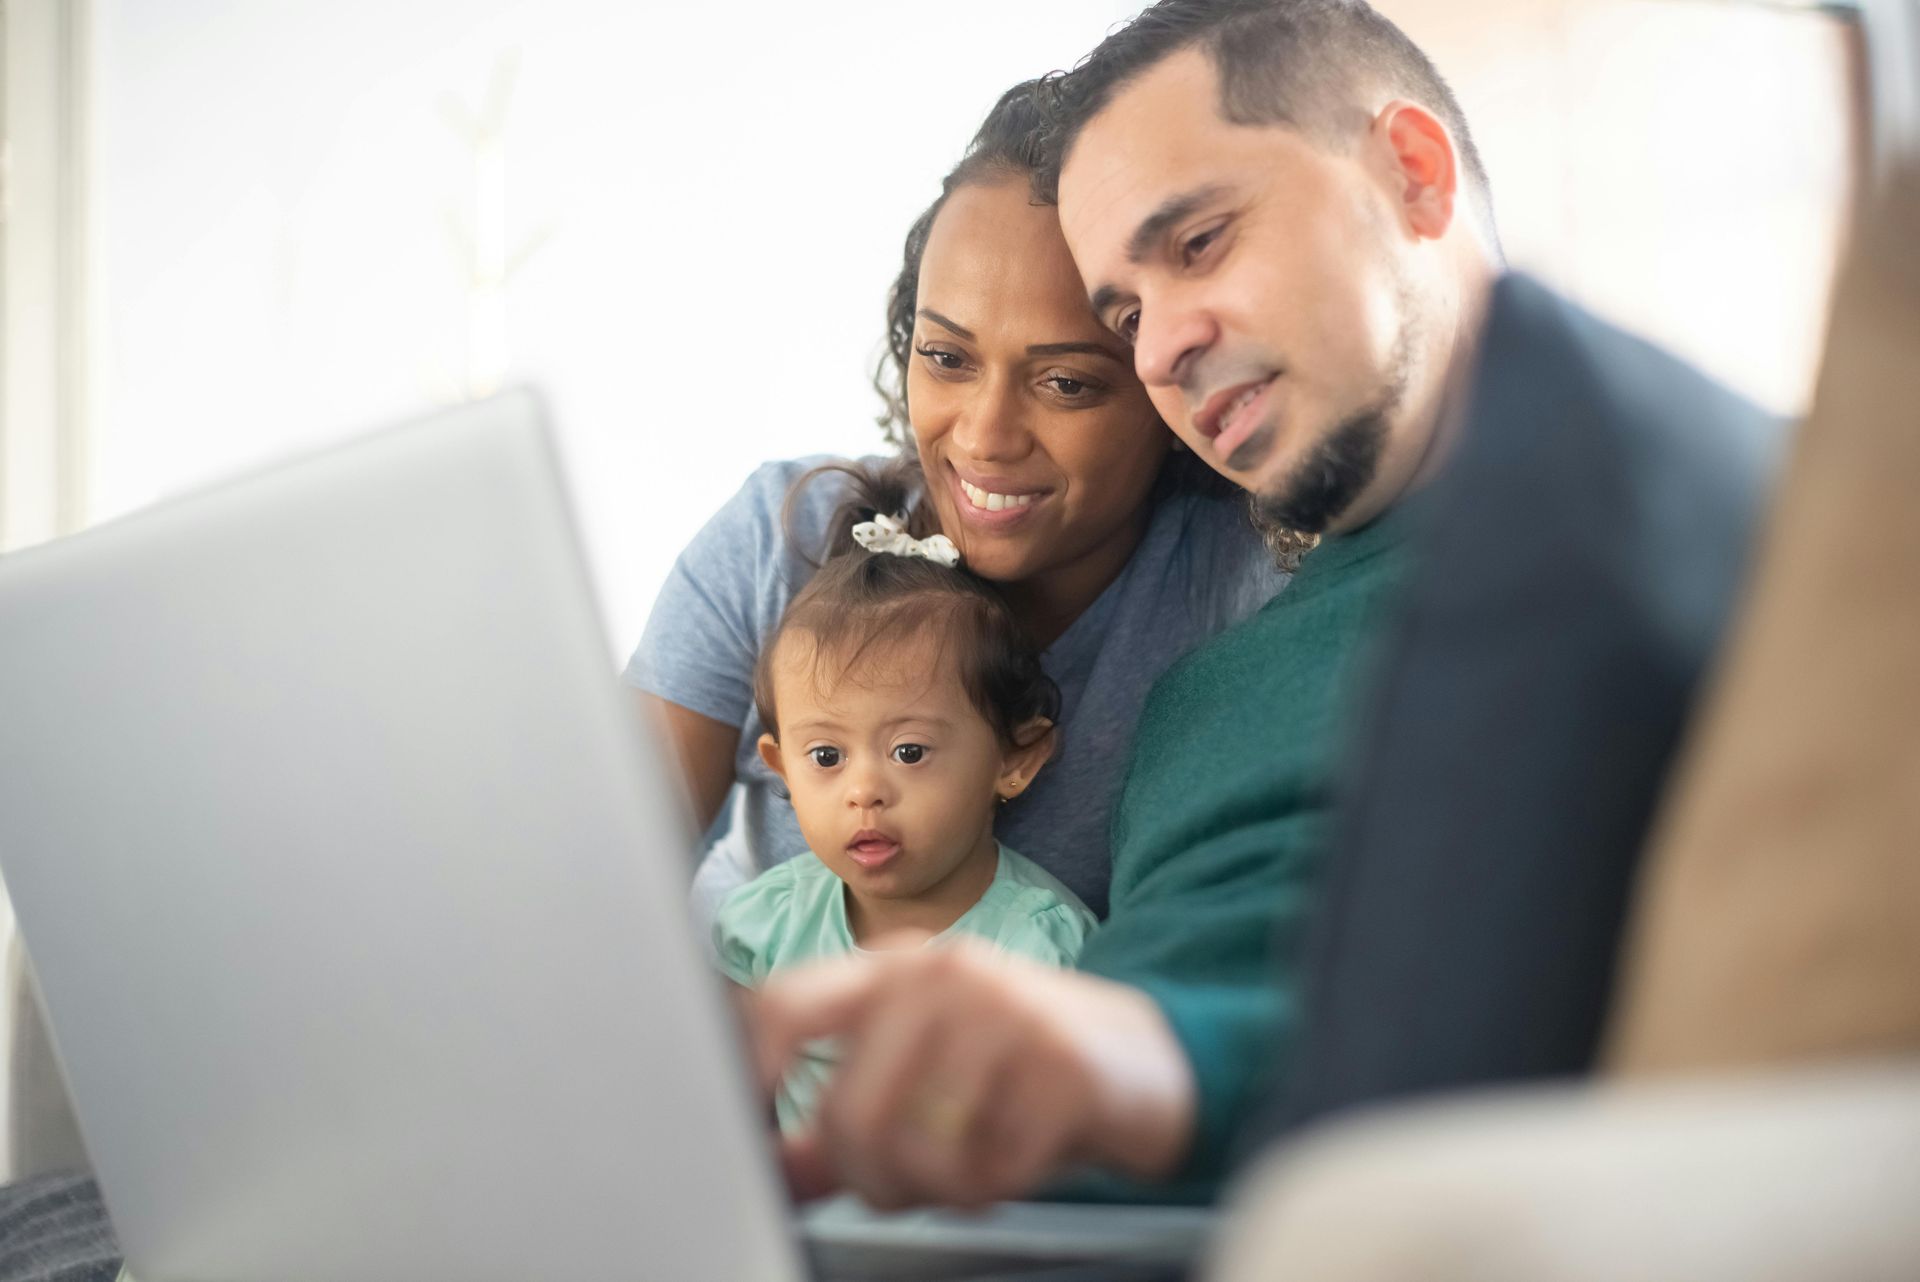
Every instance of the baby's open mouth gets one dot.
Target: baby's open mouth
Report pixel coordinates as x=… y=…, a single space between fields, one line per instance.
x=871 y=849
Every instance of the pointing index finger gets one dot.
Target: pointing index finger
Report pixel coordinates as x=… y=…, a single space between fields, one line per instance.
x=820 y=999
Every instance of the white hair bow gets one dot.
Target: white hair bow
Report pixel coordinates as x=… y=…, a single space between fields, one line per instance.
x=889 y=534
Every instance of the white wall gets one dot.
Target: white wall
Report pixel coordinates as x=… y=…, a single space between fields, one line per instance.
x=710 y=200
x=1680 y=166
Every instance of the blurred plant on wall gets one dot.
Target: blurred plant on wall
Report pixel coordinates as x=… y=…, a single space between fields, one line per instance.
x=477 y=232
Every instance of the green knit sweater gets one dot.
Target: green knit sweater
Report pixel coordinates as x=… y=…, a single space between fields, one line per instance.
x=1220 y=834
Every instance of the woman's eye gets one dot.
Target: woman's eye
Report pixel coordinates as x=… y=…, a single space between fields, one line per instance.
x=1071 y=388
x=909 y=754
x=825 y=758
x=942 y=359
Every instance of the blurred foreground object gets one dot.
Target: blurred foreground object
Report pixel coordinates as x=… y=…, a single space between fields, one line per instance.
x=1799 y=1179
x=1580 y=574
x=1780 y=920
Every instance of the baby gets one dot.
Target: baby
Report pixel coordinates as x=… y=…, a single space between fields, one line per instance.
x=904 y=704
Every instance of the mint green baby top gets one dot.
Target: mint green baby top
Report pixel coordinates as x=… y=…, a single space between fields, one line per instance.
x=797 y=912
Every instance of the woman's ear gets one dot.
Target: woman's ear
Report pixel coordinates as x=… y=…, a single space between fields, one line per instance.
x=1032 y=746
x=1425 y=166
x=770 y=753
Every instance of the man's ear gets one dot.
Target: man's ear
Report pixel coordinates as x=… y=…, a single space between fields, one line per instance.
x=770 y=753
x=1032 y=746
x=1425 y=166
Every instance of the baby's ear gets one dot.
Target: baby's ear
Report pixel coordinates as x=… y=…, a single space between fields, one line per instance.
x=770 y=753
x=1032 y=745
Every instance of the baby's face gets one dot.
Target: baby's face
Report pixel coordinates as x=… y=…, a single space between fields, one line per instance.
x=893 y=772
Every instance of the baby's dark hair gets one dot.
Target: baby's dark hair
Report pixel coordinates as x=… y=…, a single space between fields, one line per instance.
x=859 y=603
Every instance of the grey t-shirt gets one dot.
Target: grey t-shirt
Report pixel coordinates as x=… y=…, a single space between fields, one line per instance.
x=1199 y=567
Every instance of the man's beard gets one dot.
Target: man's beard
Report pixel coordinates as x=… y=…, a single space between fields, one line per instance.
x=1326 y=482
x=1344 y=461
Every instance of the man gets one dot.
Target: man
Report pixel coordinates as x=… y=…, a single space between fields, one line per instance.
x=1279 y=206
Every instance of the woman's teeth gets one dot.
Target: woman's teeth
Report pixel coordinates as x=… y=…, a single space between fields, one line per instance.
x=995 y=502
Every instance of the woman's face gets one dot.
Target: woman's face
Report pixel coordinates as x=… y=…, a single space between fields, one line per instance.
x=1039 y=444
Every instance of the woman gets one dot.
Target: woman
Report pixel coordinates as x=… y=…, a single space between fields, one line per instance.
x=1043 y=460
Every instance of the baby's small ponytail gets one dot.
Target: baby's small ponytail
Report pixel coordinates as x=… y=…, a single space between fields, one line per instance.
x=887 y=489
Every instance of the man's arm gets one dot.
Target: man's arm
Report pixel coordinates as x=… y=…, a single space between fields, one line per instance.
x=1208 y=934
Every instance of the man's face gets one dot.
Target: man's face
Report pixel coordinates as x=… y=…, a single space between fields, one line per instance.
x=1260 y=279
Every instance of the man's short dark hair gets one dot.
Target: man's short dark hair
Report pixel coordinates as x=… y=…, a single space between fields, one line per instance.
x=1308 y=64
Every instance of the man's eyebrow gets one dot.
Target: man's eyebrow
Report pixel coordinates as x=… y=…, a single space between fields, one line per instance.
x=1172 y=210
x=942 y=321
x=1104 y=297
x=1077 y=349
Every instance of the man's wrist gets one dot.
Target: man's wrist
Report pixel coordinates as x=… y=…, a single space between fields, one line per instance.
x=1147 y=1102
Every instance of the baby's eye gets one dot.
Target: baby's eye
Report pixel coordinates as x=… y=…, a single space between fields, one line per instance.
x=825 y=758
x=909 y=754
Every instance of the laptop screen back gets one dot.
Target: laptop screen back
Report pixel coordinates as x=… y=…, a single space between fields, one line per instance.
x=356 y=898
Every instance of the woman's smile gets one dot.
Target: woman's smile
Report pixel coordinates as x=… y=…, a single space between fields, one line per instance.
x=991 y=504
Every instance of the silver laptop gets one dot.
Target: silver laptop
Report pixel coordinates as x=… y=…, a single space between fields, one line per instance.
x=357 y=901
